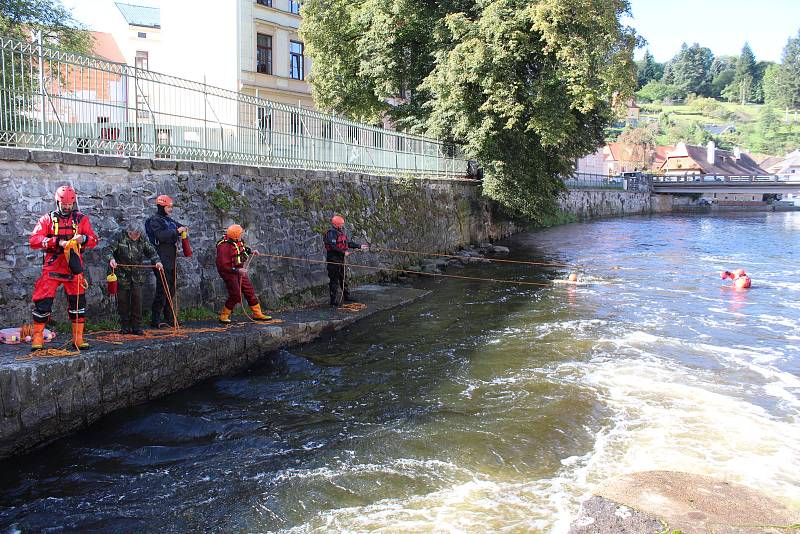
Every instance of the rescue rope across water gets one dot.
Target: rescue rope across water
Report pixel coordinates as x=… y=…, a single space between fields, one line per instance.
x=408 y=271
x=482 y=259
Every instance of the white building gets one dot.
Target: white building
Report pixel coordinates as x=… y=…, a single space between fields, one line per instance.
x=248 y=46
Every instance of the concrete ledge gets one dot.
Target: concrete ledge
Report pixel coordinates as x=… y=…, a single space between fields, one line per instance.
x=46 y=156
x=116 y=162
x=164 y=164
x=43 y=399
x=140 y=164
x=87 y=160
x=14 y=154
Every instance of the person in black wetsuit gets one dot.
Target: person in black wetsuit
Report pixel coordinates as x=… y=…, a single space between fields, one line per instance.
x=164 y=233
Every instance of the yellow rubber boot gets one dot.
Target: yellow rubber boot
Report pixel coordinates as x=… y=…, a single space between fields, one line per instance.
x=77 y=336
x=225 y=315
x=258 y=315
x=37 y=341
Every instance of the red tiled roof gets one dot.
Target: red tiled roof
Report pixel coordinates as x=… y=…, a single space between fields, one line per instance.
x=106 y=47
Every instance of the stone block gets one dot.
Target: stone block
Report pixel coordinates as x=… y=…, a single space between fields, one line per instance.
x=199 y=166
x=14 y=154
x=46 y=156
x=117 y=162
x=184 y=165
x=164 y=164
x=140 y=164
x=86 y=160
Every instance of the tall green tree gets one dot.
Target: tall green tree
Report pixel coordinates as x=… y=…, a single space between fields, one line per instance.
x=692 y=69
x=648 y=69
x=745 y=74
x=526 y=86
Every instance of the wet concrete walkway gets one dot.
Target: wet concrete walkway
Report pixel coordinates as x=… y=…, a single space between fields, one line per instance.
x=45 y=398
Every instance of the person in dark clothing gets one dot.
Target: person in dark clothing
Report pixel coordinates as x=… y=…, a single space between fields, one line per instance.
x=337 y=248
x=164 y=233
x=130 y=249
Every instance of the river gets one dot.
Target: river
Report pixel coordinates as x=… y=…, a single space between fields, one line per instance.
x=483 y=407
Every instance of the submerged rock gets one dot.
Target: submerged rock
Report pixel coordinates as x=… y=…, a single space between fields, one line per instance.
x=634 y=503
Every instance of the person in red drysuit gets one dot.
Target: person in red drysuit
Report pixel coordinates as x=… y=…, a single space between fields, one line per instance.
x=232 y=254
x=63 y=235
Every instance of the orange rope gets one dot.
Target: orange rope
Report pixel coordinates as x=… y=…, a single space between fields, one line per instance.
x=493 y=260
x=439 y=275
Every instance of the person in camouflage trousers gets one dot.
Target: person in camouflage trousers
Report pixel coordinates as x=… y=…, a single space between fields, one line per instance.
x=130 y=249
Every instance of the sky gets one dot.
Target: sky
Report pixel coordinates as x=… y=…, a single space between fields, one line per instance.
x=721 y=25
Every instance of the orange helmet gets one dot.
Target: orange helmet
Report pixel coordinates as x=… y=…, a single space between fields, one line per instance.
x=234 y=232
x=337 y=221
x=65 y=194
x=163 y=200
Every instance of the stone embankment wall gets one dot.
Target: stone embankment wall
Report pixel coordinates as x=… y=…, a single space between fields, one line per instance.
x=284 y=213
x=590 y=204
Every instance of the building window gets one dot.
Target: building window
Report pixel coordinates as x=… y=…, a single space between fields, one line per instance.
x=294 y=7
x=296 y=58
x=141 y=35
x=264 y=54
x=267 y=3
x=142 y=60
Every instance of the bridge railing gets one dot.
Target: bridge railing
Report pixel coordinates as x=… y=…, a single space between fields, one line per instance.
x=700 y=179
x=52 y=99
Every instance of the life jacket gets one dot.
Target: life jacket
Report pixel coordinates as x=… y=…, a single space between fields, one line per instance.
x=65 y=232
x=239 y=247
x=341 y=242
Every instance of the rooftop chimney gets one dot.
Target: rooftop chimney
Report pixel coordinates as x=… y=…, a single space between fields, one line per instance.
x=711 y=153
x=737 y=153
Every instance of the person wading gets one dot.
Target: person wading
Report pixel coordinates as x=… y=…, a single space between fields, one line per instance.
x=130 y=249
x=164 y=233
x=63 y=235
x=337 y=248
x=232 y=255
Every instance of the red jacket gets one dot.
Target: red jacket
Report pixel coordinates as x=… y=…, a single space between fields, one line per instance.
x=54 y=227
x=231 y=255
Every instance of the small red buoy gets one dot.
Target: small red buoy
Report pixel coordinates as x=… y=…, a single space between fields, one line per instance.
x=743 y=282
x=738 y=273
x=573 y=277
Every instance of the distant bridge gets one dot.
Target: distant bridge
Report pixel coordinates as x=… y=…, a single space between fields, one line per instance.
x=703 y=183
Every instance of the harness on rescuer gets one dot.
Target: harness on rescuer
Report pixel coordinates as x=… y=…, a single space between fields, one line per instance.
x=72 y=250
x=239 y=247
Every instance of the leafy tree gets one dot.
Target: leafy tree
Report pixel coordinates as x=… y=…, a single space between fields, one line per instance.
x=692 y=69
x=526 y=86
x=721 y=81
x=656 y=91
x=722 y=64
x=648 y=69
x=642 y=145
x=745 y=74
x=20 y=19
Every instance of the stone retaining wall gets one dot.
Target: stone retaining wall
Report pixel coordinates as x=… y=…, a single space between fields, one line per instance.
x=283 y=211
x=590 y=204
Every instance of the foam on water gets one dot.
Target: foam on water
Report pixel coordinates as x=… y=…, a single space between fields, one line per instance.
x=666 y=420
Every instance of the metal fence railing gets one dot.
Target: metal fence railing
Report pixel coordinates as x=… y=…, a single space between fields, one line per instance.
x=52 y=99
x=594 y=181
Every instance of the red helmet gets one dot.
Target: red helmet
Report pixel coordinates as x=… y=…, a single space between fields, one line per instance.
x=337 y=221
x=163 y=200
x=234 y=232
x=65 y=195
